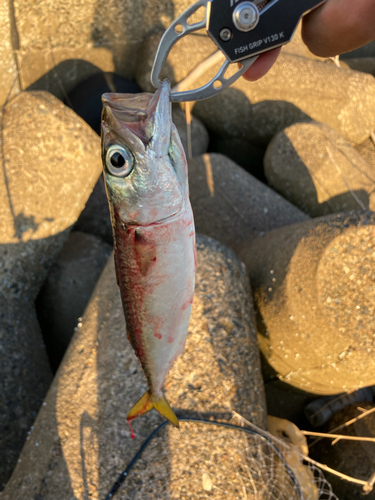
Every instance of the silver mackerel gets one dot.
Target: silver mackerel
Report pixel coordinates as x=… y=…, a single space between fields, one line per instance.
x=145 y=173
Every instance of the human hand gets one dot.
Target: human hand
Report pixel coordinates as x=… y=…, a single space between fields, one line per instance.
x=335 y=27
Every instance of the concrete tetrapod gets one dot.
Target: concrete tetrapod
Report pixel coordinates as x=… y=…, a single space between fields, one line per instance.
x=63 y=43
x=8 y=64
x=317 y=170
x=50 y=164
x=68 y=288
x=233 y=207
x=314 y=289
x=81 y=442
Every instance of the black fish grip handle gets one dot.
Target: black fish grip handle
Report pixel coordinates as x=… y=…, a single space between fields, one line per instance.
x=241 y=29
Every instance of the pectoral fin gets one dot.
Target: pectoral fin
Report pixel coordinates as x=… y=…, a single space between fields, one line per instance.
x=145 y=404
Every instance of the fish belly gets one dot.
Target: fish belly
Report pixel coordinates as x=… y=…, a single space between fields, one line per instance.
x=155 y=268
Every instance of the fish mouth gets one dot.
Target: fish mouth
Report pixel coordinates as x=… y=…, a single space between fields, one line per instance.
x=139 y=113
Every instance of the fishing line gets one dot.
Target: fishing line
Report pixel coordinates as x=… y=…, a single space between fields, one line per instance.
x=56 y=75
x=262 y=437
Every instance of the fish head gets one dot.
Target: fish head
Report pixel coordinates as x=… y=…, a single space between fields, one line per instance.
x=144 y=165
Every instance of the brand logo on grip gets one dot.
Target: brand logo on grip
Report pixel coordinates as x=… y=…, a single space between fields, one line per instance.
x=233 y=2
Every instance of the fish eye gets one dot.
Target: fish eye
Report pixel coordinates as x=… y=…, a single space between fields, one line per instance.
x=119 y=161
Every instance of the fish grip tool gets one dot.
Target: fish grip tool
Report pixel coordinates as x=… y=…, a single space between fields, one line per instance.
x=242 y=30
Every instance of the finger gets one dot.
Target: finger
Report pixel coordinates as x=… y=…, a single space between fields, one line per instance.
x=339 y=26
x=262 y=65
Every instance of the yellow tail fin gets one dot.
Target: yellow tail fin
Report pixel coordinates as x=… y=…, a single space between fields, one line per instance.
x=162 y=406
x=145 y=404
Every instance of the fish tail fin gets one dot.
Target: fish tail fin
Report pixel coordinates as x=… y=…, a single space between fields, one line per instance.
x=145 y=404
x=163 y=407
x=142 y=406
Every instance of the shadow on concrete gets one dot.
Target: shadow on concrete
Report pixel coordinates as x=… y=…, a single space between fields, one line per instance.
x=302 y=187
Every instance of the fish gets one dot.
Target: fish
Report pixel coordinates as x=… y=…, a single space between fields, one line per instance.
x=146 y=180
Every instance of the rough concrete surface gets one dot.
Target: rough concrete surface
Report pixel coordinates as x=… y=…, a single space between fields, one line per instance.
x=9 y=43
x=67 y=290
x=313 y=285
x=61 y=43
x=50 y=164
x=296 y=89
x=81 y=442
x=232 y=206
x=305 y=89
x=58 y=70
x=317 y=170
x=52 y=159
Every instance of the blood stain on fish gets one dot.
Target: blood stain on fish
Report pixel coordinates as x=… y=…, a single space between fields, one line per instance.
x=187 y=303
x=145 y=252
